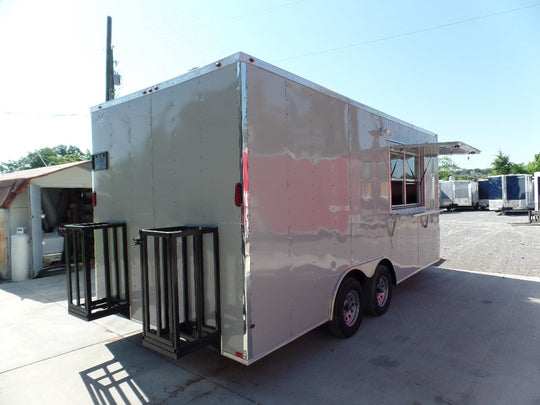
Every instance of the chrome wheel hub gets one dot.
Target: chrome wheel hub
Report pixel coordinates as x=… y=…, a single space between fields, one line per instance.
x=351 y=308
x=381 y=293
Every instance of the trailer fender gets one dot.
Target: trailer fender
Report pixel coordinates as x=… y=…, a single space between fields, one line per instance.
x=361 y=272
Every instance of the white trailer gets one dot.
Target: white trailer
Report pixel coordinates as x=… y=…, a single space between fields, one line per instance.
x=533 y=215
x=511 y=192
x=466 y=193
x=446 y=192
x=308 y=205
x=536 y=189
x=458 y=194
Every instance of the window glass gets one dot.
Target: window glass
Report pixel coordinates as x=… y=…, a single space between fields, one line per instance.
x=406 y=173
x=411 y=182
x=410 y=167
x=396 y=168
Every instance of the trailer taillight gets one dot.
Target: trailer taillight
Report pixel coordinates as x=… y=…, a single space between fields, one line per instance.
x=238 y=194
x=94 y=199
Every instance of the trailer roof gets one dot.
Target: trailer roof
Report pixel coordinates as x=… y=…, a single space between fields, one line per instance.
x=247 y=59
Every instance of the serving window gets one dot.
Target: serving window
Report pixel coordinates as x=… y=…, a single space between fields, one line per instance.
x=406 y=175
x=408 y=167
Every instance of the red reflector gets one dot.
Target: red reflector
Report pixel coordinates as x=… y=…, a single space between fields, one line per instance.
x=94 y=199
x=251 y=60
x=238 y=354
x=238 y=195
x=218 y=64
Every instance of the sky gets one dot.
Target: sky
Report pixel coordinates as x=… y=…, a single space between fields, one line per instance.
x=466 y=70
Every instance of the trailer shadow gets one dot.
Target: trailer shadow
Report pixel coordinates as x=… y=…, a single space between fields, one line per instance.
x=135 y=375
x=449 y=337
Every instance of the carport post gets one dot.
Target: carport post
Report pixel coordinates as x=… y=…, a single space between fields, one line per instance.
x=35 y=229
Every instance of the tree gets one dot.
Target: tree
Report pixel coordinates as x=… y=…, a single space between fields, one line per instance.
x=447 y=168
x=517 y=168
x=502 y=164
x=56 y=155
x=533 y=166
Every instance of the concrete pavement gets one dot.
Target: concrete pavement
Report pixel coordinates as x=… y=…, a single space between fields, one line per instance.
x=450 y=337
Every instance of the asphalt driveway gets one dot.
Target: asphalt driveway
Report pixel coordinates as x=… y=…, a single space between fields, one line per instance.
x=449 y=337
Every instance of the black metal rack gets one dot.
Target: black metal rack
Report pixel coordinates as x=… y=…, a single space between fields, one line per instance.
x=180 y=282
x=107 y=240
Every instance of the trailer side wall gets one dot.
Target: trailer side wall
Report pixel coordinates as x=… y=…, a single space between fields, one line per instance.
x=319 y=204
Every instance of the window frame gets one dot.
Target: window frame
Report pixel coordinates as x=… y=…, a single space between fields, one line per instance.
x=404 y=178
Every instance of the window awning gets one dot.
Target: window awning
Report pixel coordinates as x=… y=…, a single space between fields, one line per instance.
x=436 y=148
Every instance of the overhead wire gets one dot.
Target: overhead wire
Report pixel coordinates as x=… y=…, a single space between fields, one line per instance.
x=39 y=114
x=319 y=52
x=408 y=33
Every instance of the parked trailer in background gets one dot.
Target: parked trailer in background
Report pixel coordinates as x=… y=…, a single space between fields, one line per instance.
x=511 y=192
x=263 y=206
x=483 y=193
x=534 y=215
x=536 y=189
x=446 y=193
x=458 y=194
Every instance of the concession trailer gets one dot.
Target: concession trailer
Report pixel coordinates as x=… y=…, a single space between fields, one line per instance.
x=241 y=206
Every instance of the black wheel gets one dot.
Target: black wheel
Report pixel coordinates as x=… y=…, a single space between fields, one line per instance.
x=379 y=291
x=348 y=309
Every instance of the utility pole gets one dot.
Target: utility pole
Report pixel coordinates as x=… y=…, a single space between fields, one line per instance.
x=109 y=68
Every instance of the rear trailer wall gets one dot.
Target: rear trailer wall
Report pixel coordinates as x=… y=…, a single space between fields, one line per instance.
x=174 y=158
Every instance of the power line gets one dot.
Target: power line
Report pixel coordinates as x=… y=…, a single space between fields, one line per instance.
x=20 y=113
x=404 y=34
x=238 y=16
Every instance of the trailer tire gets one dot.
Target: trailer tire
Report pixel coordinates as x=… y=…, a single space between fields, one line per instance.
x=348 y=309
x=379 y=291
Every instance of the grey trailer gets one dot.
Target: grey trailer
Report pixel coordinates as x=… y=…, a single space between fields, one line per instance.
x=259 y=205
x=446 y=192
x=465 y=193
x=511 y=192
x=458 y=194
x=483 y=193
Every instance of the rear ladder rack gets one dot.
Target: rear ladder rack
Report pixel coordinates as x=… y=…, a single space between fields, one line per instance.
x=107 y=240
x=180 y=283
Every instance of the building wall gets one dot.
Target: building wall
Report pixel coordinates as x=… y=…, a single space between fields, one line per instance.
x=75 y=177
x=17 y=215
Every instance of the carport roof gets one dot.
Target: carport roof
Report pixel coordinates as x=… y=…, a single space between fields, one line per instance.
x=14 y=183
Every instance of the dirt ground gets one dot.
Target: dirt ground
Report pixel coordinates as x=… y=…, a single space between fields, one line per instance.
x=487 y=241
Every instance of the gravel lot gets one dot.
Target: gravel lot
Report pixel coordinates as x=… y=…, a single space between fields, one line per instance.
x=486 y=241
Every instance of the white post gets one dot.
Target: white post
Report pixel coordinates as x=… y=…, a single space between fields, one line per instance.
x=36 y=233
